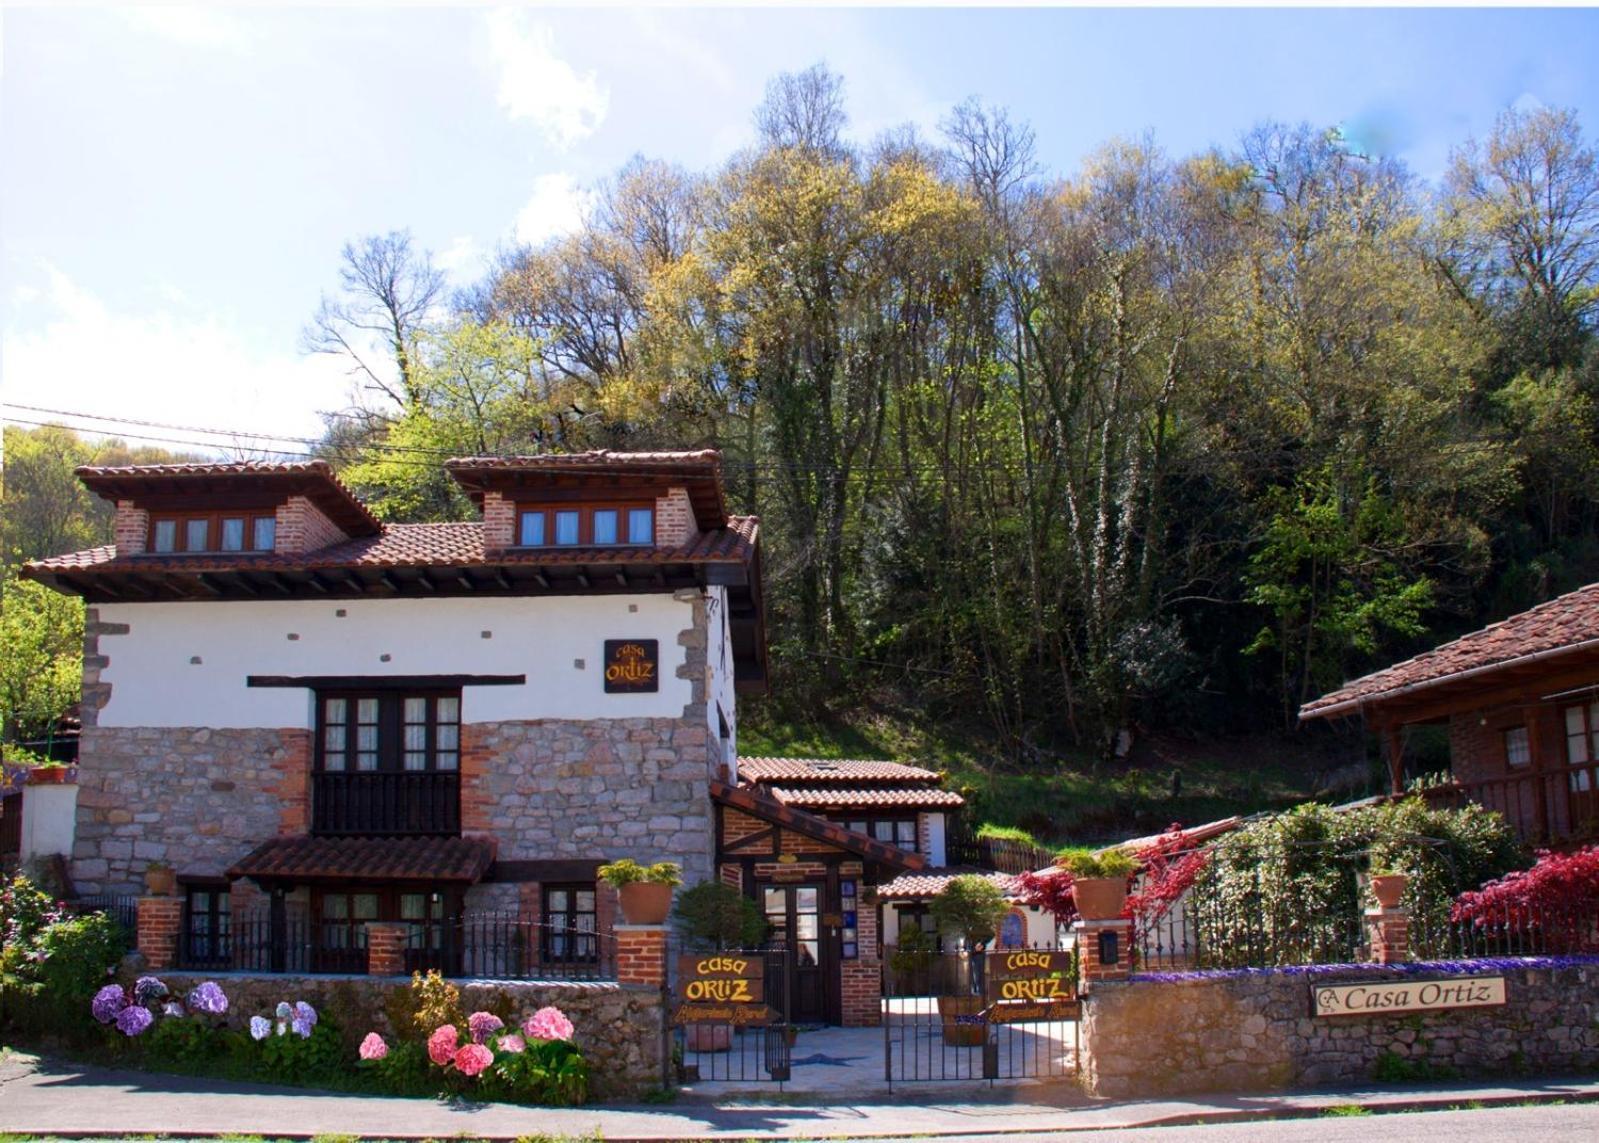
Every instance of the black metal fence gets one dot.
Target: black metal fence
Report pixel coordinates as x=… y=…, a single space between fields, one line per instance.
x=282 y=938
x=1521 y=930
x=121 y=908
x=1200 y=931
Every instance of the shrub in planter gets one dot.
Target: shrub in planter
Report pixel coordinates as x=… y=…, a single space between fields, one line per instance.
x=714 y=917
x=970 y=907
x=1099 y=881
x=644 y=891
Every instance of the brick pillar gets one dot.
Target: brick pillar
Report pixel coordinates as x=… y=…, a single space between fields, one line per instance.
x=1092 y=945
x=861 y=979
x=641 y=955
x=385 y=948
x=1389 y=930
x=160 y=919
x=499 y=522
x=131 y=529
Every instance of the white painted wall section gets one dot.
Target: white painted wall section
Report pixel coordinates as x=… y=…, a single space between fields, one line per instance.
x=49 y=820
x=185 y=664
x=936 y=847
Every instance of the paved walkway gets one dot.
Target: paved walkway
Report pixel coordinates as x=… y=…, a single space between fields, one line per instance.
x=44 y=1098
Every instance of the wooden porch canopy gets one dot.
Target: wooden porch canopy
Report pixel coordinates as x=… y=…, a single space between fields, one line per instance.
x=763 y=807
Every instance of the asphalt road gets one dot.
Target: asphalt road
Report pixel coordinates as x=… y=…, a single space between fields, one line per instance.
x=1545 y=1123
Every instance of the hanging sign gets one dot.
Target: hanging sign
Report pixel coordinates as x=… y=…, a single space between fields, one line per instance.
x=632 y=666
x=1381 y=997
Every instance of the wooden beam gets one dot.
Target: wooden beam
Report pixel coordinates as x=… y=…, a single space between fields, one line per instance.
x=501 y=578
x=1393 y=741
x=543 y=581
x=276 y=582
x=390 y=682
x=621 y=576
x=242 y=582
x=389 y=582
x=206 y=583
x=316 y=582
x=465 y=580
x=426 y=582
x=582 y=577
x=354 y=582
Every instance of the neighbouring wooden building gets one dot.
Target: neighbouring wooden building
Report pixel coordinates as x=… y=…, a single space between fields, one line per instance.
x=1520 y=699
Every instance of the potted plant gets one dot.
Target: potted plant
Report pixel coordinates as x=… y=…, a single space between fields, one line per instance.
x=714 y=917
x=1099 y=881
x=1388 y=886
x=645 y=891
x=969 y=907
x=160 y=879
x=48 y=774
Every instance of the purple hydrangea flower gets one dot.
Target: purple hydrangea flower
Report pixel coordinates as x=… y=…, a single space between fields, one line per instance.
x=133 y=1020
x=108 y=1004
x=481 y=1024
x=208 y=997
x=148 y=989
x=300 y=1028
x=284 y=1012
x=260 y=1027
x=304 y=1013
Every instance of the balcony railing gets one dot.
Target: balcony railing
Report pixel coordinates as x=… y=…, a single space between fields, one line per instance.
x=1549 y=807
x=411 y=803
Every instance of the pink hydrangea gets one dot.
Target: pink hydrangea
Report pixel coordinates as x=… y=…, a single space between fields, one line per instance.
x=482 y=1025
x=373 y=1047
x=548 y=1024
x=441 y=1045
x=472 y=1059
x=512 y=1043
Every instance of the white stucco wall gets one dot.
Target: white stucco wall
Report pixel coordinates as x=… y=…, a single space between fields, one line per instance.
x=49 y=816
x=719 y=662
x=936 y=856
x=185 y=664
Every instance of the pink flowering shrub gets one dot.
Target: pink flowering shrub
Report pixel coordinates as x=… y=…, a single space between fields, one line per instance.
x=442 y=1045
x=482 y=1025
x=373 y=1047
x=548 y=1024
x=472 y=1059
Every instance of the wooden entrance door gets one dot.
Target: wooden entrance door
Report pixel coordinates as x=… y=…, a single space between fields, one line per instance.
x=794 y=916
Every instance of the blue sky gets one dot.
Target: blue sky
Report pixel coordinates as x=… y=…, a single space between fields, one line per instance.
x=175 y=184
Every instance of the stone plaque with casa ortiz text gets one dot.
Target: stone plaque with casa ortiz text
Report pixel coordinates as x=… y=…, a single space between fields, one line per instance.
x=632 y=666
x=721 y=988
x=1382 y=997
x=1024 y=985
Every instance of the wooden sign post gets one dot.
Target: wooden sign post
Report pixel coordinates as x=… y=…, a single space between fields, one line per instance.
x=722 y=988
x=1027 y=985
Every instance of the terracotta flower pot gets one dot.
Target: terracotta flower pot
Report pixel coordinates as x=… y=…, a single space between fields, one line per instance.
x=645 y=902
x=48 y=776
x=1099 y=898
x=161 y=882
x=1388 y=888
x=962 y=1018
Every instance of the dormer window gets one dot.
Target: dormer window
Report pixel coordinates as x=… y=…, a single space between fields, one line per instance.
x=213 y=532
x=607 y=526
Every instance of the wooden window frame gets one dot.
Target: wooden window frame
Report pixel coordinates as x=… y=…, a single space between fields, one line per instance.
x=849 y=821
x=213 y=519
x=1526 y=738
x=391 y=729
x=551 y=922
x=219 y=916
x=388 y=909
x=585 y=522
x=1589 y=741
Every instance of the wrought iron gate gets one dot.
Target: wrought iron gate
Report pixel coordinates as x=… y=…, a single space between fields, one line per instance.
x=720 y=1036
x=974 y=1027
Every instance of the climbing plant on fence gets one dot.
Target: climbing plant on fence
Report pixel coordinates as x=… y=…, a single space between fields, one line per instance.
x=1287 y=889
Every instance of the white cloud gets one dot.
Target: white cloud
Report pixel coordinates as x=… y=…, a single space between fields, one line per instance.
x=162 y=365
x=556 y=207
x=536 y=84
x=192 y=25
x=462 y=258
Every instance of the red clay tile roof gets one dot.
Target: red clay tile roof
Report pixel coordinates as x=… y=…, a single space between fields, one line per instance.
x=1568 y=623
x=314 y=479
x=841 y=770
x=367 y=859
x=830 y=796
x=931 y=882
x=601 y=459
x=420 y=545
x=757 y=803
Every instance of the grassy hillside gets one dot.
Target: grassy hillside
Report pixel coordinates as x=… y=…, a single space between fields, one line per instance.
x=1076 y=798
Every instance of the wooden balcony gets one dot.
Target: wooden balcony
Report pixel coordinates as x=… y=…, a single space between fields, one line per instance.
x=1557 y=808
x=386 y=804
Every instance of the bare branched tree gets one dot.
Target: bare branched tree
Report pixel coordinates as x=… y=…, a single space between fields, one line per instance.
x=387 y=289
x=804 y=110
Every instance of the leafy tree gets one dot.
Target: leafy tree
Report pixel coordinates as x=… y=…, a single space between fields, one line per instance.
x=41 y=672
x=970 y=907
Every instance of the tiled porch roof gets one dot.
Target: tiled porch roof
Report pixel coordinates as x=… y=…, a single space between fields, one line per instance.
x=931 y=882
x=833 y=771
x=420 y=859
x=898 y=798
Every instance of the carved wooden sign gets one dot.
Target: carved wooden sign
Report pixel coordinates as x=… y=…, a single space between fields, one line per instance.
x=1027 y=985
x=1378 y=998
x=723 y=988
x=632 y=666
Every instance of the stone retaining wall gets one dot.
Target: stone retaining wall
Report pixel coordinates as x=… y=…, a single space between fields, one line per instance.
x=1256 y=1031
x=618 y=1027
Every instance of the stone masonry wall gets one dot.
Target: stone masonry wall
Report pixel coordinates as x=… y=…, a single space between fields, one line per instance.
x=1256 y=1032
x=197 y=797
x=618 y=1027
